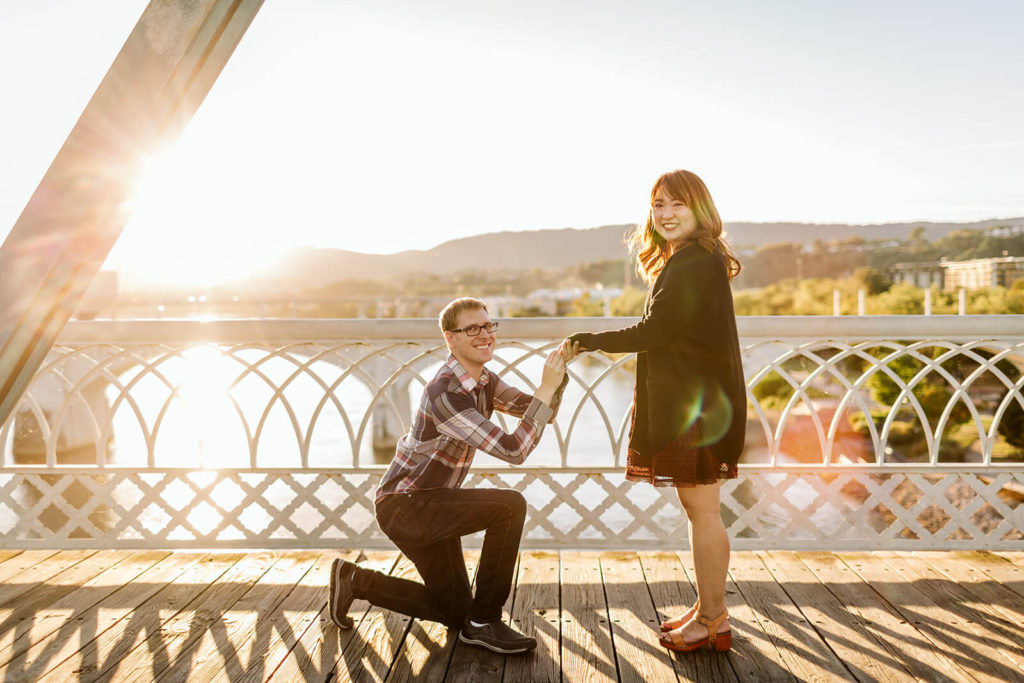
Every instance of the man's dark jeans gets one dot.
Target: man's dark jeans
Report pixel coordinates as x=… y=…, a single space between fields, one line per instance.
x=428 y=526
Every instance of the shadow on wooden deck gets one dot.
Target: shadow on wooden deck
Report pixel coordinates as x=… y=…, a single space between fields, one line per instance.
x=160 y=615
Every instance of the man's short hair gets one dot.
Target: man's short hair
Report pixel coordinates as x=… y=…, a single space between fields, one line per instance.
x=449 y=317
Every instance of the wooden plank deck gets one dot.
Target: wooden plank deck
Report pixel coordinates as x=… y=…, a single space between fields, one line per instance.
x=232 y=616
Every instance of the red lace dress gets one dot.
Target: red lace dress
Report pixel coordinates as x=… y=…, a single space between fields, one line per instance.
x=682 y=462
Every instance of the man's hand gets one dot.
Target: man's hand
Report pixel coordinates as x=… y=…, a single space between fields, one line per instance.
x=551 y=377
x=554 y=369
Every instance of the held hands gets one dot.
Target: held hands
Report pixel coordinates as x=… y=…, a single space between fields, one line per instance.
x=554 y=365
x=554 y=369
x=569 y=349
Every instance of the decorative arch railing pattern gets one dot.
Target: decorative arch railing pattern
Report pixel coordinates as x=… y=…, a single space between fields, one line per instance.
x=863 y=432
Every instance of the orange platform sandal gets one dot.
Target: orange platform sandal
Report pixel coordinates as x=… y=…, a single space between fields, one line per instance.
x=672 y=624
x=714 y=640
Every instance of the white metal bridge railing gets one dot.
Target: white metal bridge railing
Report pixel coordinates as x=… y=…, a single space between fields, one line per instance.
x=863 y=432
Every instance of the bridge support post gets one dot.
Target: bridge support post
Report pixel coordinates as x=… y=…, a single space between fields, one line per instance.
x=156 y=83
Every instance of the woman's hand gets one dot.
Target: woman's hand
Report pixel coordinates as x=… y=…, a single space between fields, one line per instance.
x=578 y=342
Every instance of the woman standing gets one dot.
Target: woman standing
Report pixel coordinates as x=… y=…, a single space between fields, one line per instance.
x=689 y=404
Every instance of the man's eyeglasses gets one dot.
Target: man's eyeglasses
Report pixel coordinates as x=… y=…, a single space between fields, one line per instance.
x=474 y=330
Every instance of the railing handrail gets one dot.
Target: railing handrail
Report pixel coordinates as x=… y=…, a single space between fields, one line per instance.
x=952 y=327
x=489 y=470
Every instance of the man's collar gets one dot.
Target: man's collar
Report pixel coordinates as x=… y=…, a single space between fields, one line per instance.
x=465 y=379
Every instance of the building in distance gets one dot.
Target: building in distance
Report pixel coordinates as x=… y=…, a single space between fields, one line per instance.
x=999 y=271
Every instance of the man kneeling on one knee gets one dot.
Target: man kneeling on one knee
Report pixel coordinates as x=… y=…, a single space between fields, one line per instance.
x=421 y=504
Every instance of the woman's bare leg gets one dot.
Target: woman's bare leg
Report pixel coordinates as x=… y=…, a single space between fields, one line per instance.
x=709 y=542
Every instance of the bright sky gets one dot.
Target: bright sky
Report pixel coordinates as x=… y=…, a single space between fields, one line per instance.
x=384 y=125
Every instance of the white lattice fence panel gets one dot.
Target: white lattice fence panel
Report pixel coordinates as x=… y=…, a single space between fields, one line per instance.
x=155 y=509
x=876 y=509
x=266 y=434
x=763 y=508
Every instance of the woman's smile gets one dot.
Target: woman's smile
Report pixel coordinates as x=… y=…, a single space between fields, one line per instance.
x=673 y=219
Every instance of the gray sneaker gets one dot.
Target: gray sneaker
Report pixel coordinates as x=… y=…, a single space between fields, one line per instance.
x=497 y=636
x=341 y=594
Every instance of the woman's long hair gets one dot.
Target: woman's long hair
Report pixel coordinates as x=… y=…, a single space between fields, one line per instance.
x=652 y=251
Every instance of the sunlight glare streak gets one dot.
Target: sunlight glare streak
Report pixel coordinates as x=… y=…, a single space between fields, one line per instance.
x=207 y=377
x=179 y=194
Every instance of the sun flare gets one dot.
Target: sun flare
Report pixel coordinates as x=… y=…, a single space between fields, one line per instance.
x=180 y=231
x=205 y=394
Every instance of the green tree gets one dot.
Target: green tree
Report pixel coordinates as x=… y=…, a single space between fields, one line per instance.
x=1015 y=297
x=775 y=299
x=629 y=303
x=902 y=298
x=1011 y=427
x=527 y=312
x=871 y=280
x=932 y=391
x=813 y=297
x=773 y=262
x=585 y=306
x=987 y=301
x=959 y=243
x=605 y=273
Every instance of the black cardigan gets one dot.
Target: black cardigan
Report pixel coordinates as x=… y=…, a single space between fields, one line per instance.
x=688 y=359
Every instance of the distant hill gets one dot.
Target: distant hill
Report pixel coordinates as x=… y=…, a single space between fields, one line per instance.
x=756 y=234
x=498 y=250
x=307 y=267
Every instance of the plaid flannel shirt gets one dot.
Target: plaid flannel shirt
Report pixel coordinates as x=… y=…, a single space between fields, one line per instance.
x=453 y=421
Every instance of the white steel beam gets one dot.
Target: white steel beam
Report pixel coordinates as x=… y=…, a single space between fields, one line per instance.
x=155 y=85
